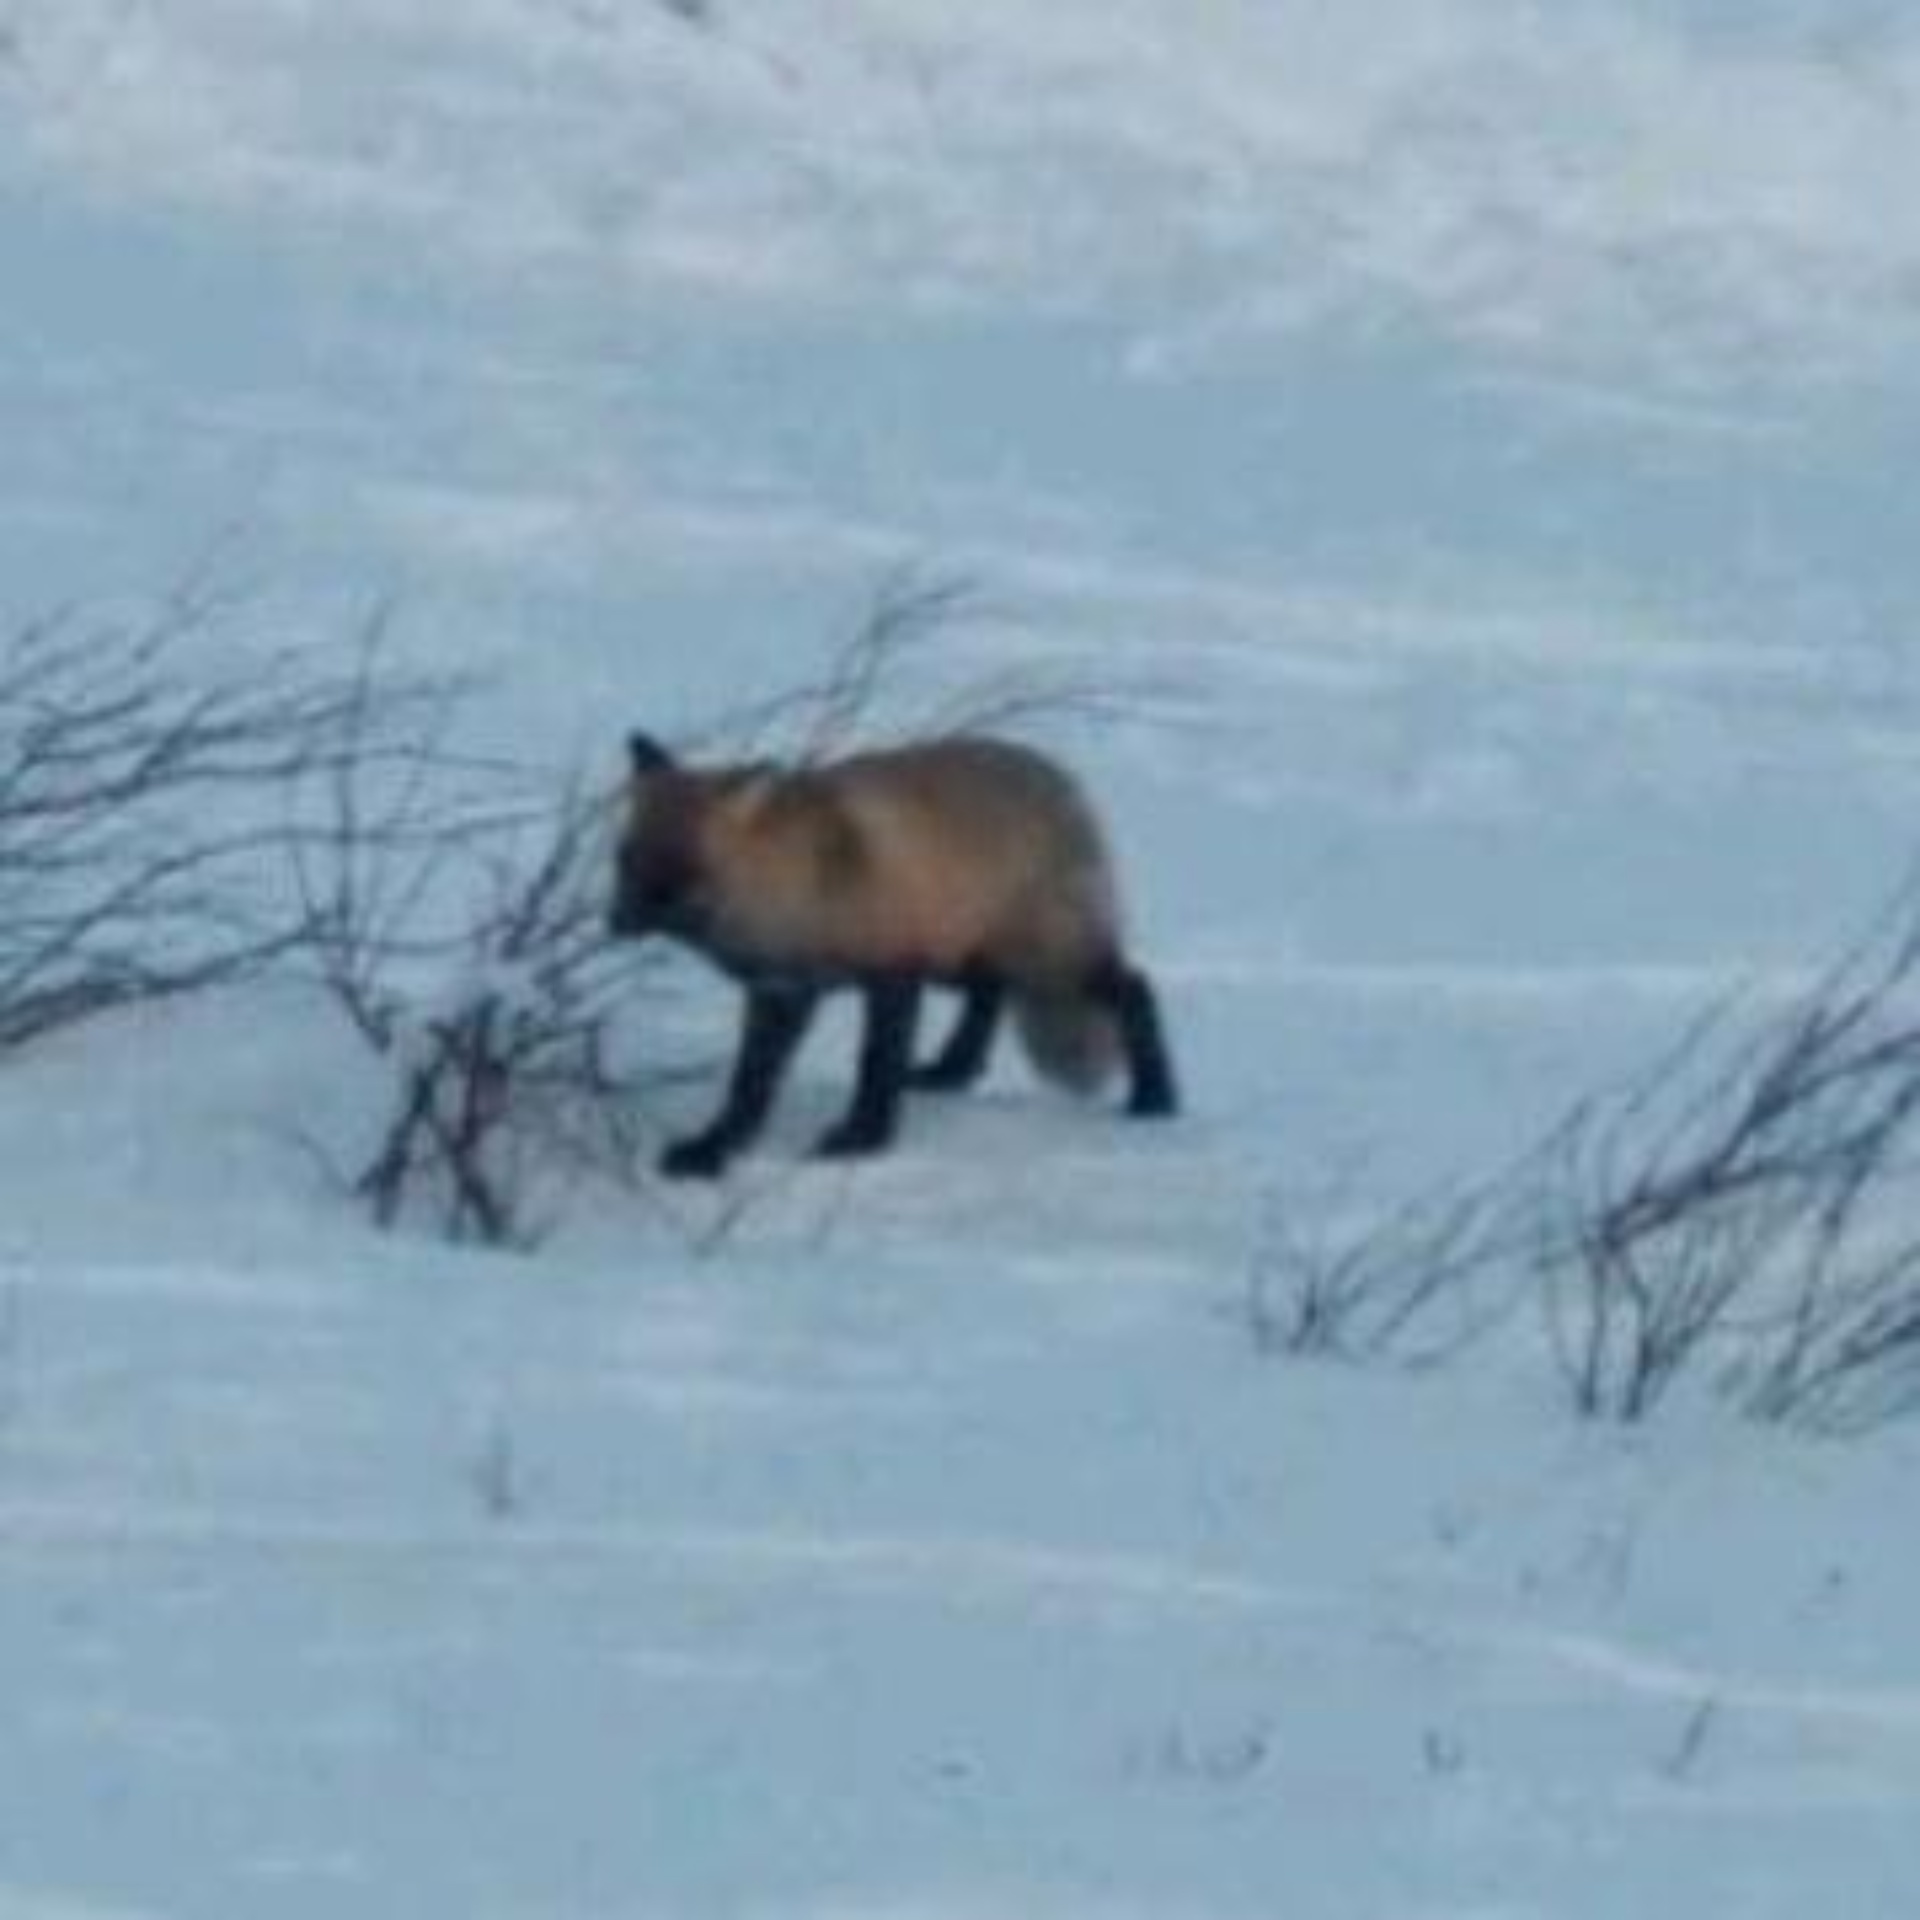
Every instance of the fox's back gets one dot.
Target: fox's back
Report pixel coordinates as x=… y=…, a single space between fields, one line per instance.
x=984 y=803
x=935 y=855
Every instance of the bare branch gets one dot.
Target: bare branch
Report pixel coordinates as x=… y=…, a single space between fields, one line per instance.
x=145 y=769
x=890 y=680
x=467 y=952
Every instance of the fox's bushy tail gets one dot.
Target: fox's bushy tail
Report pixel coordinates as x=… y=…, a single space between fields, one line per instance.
x=1069 y=1036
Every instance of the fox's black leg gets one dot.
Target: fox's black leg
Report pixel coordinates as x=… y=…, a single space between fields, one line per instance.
x=771 y=1028
x=886 y=1048
x=1125 y=991
x=962 y=1059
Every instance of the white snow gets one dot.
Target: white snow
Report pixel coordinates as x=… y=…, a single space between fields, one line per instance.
x=1480 y=438
x=851 y=1570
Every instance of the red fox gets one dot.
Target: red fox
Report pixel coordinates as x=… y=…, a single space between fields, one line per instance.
x=967 y=863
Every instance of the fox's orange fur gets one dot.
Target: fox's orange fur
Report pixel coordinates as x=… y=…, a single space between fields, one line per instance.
x=966 y=862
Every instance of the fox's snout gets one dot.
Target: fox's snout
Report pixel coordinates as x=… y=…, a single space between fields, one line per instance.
x=624 y=923
x=654 y=889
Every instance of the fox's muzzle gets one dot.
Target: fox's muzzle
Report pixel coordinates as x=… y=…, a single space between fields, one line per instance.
x=624 y=922
x=653 y=897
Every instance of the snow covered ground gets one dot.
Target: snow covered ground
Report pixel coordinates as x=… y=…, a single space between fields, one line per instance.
x=1486 y=432
x=939 y=1545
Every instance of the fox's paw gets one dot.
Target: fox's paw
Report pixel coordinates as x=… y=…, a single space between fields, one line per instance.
x=941 y=1076
x=698 y=1157
x=852 y=1140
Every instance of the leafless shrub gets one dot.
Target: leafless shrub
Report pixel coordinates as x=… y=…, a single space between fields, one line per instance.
x=171 y=821
x=142 y=783
x=461 y=935
x=891 y=678
x=391 y=832
x=1741 y=1207
x=1738 y=1214
x=1651 y=1222
x=1845 y=1356
x=1412 y=1287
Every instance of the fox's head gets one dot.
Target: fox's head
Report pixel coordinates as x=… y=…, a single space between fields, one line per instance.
x=655 y=863
x=674 y=841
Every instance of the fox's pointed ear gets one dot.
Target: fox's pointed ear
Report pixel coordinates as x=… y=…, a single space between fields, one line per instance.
x=646 y=755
